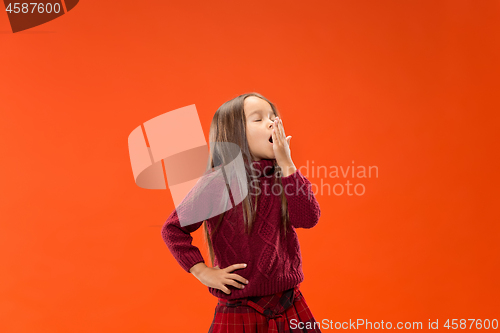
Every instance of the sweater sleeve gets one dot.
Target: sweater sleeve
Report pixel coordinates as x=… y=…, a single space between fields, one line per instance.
x=303 y=208
x=179 y=241
x=206 y=199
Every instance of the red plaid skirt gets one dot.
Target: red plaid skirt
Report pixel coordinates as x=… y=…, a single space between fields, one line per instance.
x=284 y=312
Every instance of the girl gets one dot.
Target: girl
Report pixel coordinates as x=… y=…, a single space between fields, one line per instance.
x=257 y=237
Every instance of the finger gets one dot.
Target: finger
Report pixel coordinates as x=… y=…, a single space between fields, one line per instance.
x=276 y=131
x=238 y=278
x=280 y=128
x=283 y=129
x=275 y=137
x=288 y=140
x=236 y=266
x=234 y=283
x=225 y=289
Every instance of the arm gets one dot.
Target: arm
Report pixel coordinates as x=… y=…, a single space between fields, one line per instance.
x=303 y=208
x=203 y=201
x=179 y=241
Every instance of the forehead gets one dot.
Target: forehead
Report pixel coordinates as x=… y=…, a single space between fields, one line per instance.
x=254 y=104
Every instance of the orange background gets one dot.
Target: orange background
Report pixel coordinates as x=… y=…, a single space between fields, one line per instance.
x=408 y=86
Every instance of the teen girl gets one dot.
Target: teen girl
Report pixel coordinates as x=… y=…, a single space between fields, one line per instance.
x=257 y=237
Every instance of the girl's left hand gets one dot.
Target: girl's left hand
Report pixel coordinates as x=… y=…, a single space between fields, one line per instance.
x=281 y=147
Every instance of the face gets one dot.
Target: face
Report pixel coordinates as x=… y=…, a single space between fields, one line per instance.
x=260 y=121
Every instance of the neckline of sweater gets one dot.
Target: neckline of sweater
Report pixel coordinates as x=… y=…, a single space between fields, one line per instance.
x=264 y=167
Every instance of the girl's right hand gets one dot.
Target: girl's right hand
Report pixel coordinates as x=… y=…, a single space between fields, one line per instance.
x=218 y=278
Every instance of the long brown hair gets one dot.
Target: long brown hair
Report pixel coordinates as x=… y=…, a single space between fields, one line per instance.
x=229 y=125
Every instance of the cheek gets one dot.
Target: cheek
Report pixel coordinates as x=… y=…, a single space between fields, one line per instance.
x=251 y=138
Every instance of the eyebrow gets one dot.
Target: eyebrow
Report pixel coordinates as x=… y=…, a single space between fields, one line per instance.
x=258 y=110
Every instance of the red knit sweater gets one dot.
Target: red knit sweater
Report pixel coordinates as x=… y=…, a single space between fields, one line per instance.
x=274 y=264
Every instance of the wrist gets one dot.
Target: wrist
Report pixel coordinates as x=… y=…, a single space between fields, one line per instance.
x=288 y=169
x=197 y=269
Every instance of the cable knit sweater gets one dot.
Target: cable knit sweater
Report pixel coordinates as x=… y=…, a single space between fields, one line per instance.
x=274 y=264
